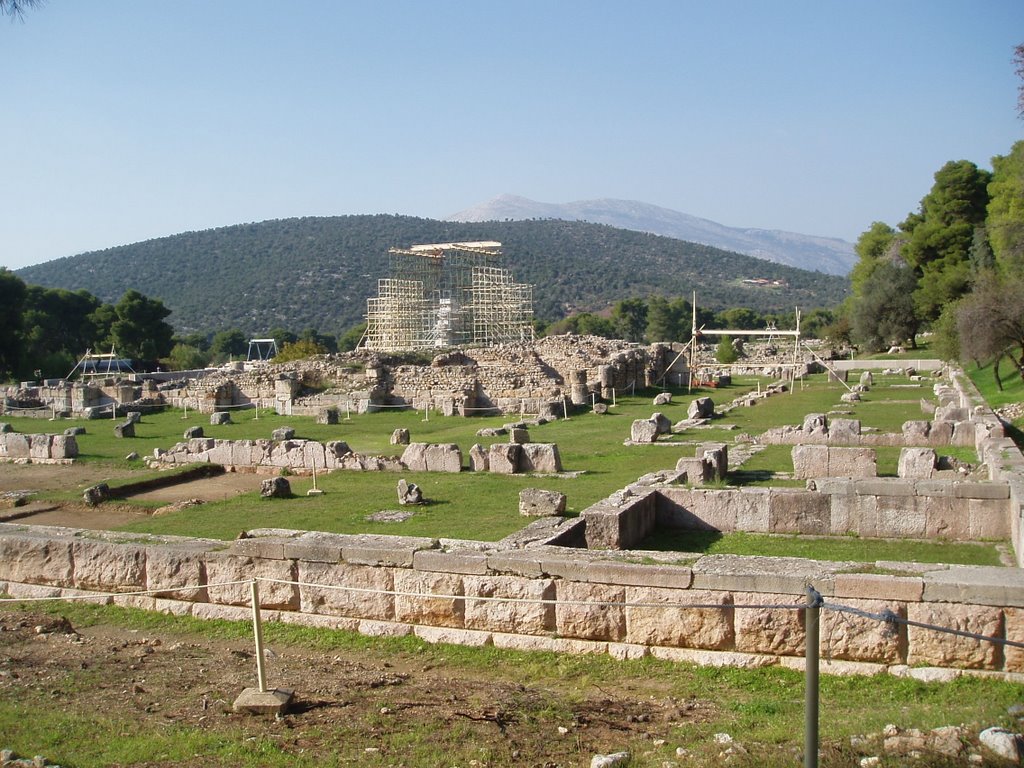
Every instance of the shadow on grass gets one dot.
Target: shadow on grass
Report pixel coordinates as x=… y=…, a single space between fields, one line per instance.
x=743 y=477
x=681 y=541
x=1015 y=433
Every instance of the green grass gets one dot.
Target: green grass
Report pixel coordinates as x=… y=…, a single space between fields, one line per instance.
x=823 y=547
x=762 y=708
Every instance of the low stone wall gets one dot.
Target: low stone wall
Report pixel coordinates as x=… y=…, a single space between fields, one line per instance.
x=542 y=597
x=19 y=447
x=872 y=508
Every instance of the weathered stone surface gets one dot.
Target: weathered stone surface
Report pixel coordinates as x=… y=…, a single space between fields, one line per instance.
x=503 y=458
x=432 y=457
x=177 y=573
x=850 y=397
x=429 y=598
x=944 y=650
x=1007 y=744
x=590 y=611
x=643 y=431
x=276 y=488
x=282 y=433
x=866 y=379
x=815 y=424
x=409 y=493
x=536 y=502
x=916 y=432
x=676 y=624
x=600 y=409
x=855 y=638
x=777 y=631
x=220 y=417
x=810 y=461
x=698 y=469
x=701 y=408
x=528 y=618
x=662 y=398
x=328 y=416
x=125 y=429
x=844 y=431
x=917 y=463
x=662 y=423
x=96 y=494
x=852 y=462
x=478 y=459
x=35 y=560
x=194 y=431
x=518 y=435
x=349 y=590
x=400 y=437
x=228 y=577
x=791 y=510
x=540 y=457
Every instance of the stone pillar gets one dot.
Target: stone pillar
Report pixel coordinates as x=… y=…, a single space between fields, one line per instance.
x=578 y=387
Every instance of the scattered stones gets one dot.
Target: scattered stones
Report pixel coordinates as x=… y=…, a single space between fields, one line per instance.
x=328 y=416
x=643 y=431
x=600 y=408
x=134 y=417
x=866 y=379
x=400 y=437
x=1004 y=743
x=282 y=433
x=71 y=431
x=96 y=494
x=220 y=417
x=850 y=397
x=125 y=429
x=390 y=516
x=701 y=408
x=276 y=488
x=609 y=761
x=133 y=456
x=193 y=432
x=536 y=502
x=663 y=398
x=409 y=493
x=662 y=423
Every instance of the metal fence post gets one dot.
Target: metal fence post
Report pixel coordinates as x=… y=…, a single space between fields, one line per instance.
x=811 y=648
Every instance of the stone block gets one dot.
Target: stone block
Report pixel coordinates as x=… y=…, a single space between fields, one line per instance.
x=36 y=560
x=218 y=418
x=536 y=502
x=675 y=577
x=459 y=561
x=400 y=437
x=347 y=590
x=798 y=511
x=503 y=458
x=63 y=447
x=941 y=649
x=815 y=424
x=873 y=586
x=901 y=517
x=844 y=431
x=916 y=432
x=884 y=487
x=941 y=433
x=176 y=572
x=478 y=459
x=698 y=470
x=512 y=615
x=810 y=461
x=852 y=462
x=769 y=630
x=997 y=491
x=643 y=431
x=328 y=415
x=944 y=518
x=452 y=636
x=1013 y=628
x=389 y=551
x=518 y=435
x=975 y=585
x=103 y=566
x=773 y=575
x=590 y=611
x=540 y=457
x=701 y=408
x=433 y=599
x=987 y=520
x=850 y=637
x=718 y=455
x=228 y=577
x=676 y=624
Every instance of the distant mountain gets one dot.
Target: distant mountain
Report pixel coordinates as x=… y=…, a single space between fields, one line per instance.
x=317 y=272
x=820 y=254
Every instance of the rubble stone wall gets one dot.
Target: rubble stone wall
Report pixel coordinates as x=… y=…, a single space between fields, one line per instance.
x=571 y=600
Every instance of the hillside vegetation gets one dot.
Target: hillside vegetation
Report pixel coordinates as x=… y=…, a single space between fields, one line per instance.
x=317 y=272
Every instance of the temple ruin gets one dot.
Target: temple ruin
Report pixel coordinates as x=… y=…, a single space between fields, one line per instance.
x=447 y=295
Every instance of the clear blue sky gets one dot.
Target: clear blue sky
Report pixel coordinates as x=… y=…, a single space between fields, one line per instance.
x=124 y=120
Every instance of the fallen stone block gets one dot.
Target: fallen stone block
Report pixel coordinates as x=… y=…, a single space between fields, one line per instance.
x=536 y=502
x=917 y=463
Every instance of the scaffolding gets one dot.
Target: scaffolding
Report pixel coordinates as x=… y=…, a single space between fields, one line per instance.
x=447 y=295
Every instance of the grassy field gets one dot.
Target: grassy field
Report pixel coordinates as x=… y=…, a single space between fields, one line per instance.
x=484 y=506
x=399 y=701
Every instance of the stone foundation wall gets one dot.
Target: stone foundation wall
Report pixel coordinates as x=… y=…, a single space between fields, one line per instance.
x=561 y=600
x=18 y=447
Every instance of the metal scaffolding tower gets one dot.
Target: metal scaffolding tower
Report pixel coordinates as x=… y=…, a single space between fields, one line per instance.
x=446 y=295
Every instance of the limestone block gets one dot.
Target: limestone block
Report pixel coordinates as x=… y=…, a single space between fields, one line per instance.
x=478 y=459
x=579 y=614
x=778 y=631
x=369 y=549
x=327 y=416
x=850 y=397
x=1013 y=619
x=940 y=433
x=63 y=447
x=810 y=461
x=917 y=463
x=193 y=431
x=676 y=624
x=662 y=398
x=916 y=432
x=36 y=560
x=844 y=431
x=944 y=518
x=518 y=435
x=400 y=437
x=855 y=638
x=241 y=453
x=698 y=469
x=877 y=587
x=718 y=454
x=866 y=379
x=527 y=618
x=791 y=510
x=662 y=423
x=987 y=520
x=333 y=451
x=102 y=566
x=459 y=561
x=453 y=636
x=349 y=590
x=125 y=429
x=901 y=517
x=221 y=453
x=220 y=417
x=815 y=424
x=503 y=458
x=540 y=457
x=951 y=413
x=443 y=457
x=176 y=572
x=852 y=462
x=945 y=650
x=16 y=445
x=199 y=445
x=313 y=455
x=643 y=431
x=283 y=433
x=537 y=502
x=223 y=569
x=434 y=599
x=701 y=408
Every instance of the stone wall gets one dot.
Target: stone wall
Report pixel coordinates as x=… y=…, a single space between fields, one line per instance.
x=542 y=597
x=41 y=449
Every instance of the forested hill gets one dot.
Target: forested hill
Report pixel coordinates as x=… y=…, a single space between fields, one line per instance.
x=318 y=272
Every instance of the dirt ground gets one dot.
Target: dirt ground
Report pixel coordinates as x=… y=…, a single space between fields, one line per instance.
x=20 y=479
x=348 y=704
